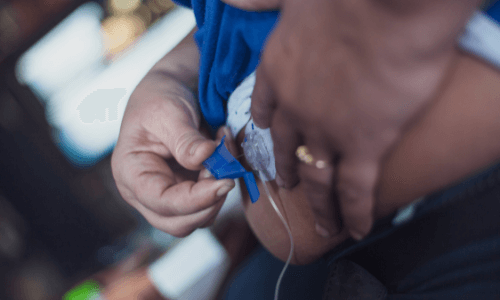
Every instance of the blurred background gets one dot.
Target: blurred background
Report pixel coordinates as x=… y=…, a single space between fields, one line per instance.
x=67 y=69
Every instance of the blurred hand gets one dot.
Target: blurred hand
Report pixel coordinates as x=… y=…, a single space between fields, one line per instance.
x=132 y=286
x=344 y=78
x=158 y=156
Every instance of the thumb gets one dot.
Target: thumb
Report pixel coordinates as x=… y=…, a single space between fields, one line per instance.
x=254 y=5
x=356 y=185
x=187 y=144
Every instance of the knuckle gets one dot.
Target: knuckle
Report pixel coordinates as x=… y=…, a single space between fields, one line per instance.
x=182 y=147
x=182 y=144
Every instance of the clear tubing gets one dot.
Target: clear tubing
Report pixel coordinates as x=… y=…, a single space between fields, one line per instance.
x=276 y=291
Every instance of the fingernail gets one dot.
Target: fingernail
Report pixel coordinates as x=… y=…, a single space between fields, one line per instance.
x=356 y=235
x=224 y=190
x=194 y=146
x=205 y=174
x=322 y=231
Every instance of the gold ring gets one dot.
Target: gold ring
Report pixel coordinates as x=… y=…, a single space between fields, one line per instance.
x=306 y=157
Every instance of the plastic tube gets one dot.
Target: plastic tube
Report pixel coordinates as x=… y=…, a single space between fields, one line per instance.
x=280 y=278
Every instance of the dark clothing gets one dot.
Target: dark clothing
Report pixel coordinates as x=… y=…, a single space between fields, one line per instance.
x=448 y=247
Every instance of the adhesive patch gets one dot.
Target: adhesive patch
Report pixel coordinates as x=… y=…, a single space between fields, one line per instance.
x=259 y=150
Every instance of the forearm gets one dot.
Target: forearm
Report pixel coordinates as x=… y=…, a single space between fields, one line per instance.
x=175 y=76
x=182 y=63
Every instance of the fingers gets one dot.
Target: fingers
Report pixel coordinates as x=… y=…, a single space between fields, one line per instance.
x=254 y=5
x=188 y=211
x=318 y=186
x=181 y=226
x=356 y=184
x=157 y=192
x=263 y=101
x=189 y=147
x=165 y=199
x=286 y=140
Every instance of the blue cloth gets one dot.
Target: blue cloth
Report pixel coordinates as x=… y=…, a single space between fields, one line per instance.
x=230 y=42
x=494 y=11
x=223 y=165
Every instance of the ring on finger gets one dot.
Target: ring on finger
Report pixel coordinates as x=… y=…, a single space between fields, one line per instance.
x=305 y=156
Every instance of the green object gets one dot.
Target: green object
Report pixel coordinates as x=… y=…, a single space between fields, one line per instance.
x=88 y=290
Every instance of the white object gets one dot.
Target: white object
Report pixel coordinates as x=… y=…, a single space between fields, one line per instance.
x=258 y=148
x=482 y=38
x=406 y=213
x=239 y=116
x=238 y=105
x=192 y=269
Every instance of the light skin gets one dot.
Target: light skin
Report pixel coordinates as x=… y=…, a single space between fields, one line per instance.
x=160 y=149
x=455 y=137
x=374 y=66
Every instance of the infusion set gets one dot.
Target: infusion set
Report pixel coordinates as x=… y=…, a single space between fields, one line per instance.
x=258 y=150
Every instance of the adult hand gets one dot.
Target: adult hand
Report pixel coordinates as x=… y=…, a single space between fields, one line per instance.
x=344 y=78
x=158 y=153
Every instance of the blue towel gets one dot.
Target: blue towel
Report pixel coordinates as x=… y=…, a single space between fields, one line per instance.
x=494 y=11
x=230 y=42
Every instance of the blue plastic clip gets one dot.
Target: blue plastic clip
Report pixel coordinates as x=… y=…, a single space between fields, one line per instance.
x=223 y=165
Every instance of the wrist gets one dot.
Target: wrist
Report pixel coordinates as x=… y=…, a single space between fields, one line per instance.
x=158 y=89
